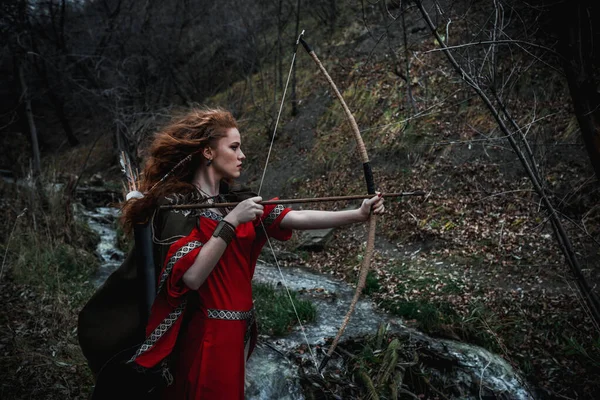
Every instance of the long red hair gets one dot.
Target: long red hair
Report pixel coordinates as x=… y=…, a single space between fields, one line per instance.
x=185 y=135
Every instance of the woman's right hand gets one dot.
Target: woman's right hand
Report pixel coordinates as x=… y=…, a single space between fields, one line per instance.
x=245 y=211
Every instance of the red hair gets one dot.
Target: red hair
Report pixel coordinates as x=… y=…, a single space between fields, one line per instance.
x=185 y=135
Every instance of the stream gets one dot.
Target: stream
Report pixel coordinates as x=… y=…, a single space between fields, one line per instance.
x=271 y=374
x=102 y=220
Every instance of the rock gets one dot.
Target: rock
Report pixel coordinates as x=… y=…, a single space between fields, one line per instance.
x=475 y=372
x=267 y=256
x=270 y=375
x=315 y=239
x=318 y=239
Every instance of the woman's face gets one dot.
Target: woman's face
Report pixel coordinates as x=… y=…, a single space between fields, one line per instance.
x=227 y=155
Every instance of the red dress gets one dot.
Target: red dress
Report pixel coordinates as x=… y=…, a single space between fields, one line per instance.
x=207 y=356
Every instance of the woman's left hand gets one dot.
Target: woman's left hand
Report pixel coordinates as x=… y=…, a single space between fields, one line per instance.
x=374 y=204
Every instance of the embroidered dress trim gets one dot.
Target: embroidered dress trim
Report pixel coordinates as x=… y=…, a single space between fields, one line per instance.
x=185 y=249
x=276 y=212
x=160 y=330
x=230 y=315
x=168 y=322
x=210 y=214
x=248 y=316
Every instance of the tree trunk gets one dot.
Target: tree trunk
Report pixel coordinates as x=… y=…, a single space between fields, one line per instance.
x=579 y=45
x=35 y=148
x=56 y=101
x=62 y=116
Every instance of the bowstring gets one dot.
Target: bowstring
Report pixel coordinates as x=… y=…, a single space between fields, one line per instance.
x=285 y=285
x=287 y=289
x=279 y=113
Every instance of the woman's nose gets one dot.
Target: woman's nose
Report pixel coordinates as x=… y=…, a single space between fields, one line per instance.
x=242 y=156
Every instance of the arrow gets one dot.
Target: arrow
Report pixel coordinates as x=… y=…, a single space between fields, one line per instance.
x=292 y=201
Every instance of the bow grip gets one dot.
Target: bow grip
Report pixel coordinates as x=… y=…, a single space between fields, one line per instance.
x=369 y=177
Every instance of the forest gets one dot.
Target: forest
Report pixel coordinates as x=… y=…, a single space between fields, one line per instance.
x=489 y=109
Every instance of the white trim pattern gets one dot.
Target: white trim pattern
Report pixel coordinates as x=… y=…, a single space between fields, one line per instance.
x=160 y=330
x=276 y=212
x=183 y=250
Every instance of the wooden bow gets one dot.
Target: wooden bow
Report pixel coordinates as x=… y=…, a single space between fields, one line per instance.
x=362 y=150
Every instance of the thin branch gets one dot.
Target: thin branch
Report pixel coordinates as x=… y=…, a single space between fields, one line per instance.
x=493 y=42
x=481 y=379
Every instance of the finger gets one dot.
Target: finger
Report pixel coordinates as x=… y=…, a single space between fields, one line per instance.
x=372 y=200
x=375 y=201
x=255 y=199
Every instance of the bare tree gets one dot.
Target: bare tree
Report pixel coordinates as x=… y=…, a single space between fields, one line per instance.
x=35 y=148
x=474 y=77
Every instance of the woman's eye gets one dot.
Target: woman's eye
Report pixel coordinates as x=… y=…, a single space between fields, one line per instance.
x=234 y=147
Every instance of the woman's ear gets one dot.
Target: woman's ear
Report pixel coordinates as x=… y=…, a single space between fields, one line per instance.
x=207 y=153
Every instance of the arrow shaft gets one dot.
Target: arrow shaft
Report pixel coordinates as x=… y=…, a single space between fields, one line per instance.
x=292 y=201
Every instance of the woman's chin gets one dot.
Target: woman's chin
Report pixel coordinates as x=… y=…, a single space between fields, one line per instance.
x=235 y=175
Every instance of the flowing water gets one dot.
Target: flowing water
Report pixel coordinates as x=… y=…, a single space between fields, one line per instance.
x=102 y=221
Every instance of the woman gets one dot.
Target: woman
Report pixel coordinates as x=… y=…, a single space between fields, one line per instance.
x=202 y=320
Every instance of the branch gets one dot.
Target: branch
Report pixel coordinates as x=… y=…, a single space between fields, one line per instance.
x=501 y=41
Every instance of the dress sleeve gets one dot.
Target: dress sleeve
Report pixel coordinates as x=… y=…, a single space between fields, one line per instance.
x=271 y=219
x=180 y=257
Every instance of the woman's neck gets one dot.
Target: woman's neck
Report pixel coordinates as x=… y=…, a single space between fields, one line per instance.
x=206 y=181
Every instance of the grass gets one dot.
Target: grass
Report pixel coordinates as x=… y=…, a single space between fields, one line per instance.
x=372 y=284
x=429 y=317
x=274 y=311
x=423 y=297
x=54 y=267
x=49 y=259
